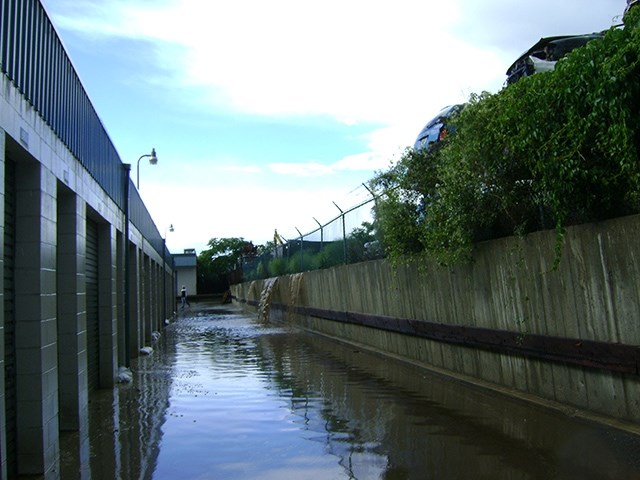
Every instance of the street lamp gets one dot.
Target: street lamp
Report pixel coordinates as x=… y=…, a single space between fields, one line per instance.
x=153 y=160
x=164 y=270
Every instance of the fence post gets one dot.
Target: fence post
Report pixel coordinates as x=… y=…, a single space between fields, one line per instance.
x=344 y=233
x=321 y=234
x=301 y=268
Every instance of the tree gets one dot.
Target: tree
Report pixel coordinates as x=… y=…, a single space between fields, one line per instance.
x=218 y=261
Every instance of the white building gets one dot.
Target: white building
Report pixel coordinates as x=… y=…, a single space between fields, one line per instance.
x=186 y=271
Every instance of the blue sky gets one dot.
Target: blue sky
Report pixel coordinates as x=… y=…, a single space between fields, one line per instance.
x=265 y=113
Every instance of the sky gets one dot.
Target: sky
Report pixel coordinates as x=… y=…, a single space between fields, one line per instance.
x=265 y=113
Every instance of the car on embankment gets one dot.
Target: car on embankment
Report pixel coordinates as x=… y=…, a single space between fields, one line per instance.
x=438 y=128
x=543 y=55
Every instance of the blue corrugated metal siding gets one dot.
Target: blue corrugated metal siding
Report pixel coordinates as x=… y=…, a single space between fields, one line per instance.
x=141 y=218
x=34 y=59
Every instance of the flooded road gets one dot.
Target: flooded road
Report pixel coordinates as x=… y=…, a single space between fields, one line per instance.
x=224 y=396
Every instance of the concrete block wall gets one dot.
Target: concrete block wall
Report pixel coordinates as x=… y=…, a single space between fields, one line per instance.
x=509 y=288
x=55 y=198
x=36 y=325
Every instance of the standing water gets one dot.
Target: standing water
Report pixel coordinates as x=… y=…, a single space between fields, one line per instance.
x=227 y=396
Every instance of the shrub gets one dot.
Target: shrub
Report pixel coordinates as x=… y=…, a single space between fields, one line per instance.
x=277 y=267
x=551 y=150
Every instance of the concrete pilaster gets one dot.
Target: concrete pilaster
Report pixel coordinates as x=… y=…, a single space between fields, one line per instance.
x=134 y=306
x=140 y=300
x=146 y=299
x=169 y=295
x=161 y=296
x=120 y=286
x=107 y=305
x=36 y=328
x=155 y=298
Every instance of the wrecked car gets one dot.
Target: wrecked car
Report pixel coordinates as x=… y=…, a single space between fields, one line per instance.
x=543 y=55
x=437 y=128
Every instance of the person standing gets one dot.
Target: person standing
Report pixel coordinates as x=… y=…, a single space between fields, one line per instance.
x=183 y=296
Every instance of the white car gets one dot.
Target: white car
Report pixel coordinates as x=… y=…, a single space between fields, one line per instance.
x=543 y=55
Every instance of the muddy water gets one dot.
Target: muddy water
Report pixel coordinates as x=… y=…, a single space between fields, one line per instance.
x=225 y=396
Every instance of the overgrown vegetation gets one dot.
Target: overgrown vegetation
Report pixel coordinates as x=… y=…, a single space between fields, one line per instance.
x=551 y=150
x=216 y=263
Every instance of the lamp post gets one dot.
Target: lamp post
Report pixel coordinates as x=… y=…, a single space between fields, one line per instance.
x=164 y=271
x=153 y=160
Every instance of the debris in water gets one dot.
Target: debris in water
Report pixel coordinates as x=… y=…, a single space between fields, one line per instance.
x=146 y=350
x=155 y=336
x=124 y=375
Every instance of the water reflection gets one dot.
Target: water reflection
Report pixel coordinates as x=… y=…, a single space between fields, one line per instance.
x=124 y=431
x=224 y=396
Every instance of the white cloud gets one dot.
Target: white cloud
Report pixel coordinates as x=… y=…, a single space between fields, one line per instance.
x=363 y=162
x=301 y=169
x=514 y=26
x=199 y=213
x=353 y=61
x=390 y=64
x=242 y=169
x=366 y=162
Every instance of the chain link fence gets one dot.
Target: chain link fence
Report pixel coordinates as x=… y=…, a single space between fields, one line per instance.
x=349 y=237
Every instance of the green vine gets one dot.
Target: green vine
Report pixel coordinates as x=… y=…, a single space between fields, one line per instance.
x=550 y=151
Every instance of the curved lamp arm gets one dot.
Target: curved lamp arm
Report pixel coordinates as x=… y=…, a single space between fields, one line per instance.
x=153 y=160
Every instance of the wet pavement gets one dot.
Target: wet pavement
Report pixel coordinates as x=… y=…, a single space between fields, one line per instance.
x=225 y=396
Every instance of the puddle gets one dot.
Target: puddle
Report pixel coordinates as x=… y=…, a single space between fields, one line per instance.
x=225 y=396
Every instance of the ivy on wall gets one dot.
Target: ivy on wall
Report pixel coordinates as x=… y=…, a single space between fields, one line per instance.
x=549 y=151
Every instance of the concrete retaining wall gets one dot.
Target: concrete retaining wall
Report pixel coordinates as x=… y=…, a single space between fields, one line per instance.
x=569 y=336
